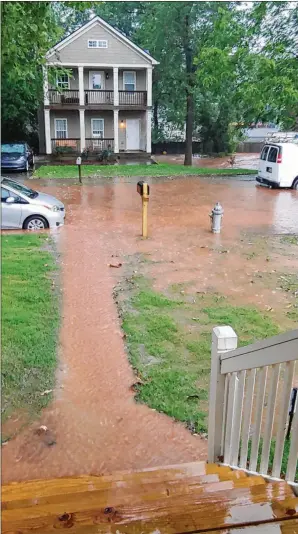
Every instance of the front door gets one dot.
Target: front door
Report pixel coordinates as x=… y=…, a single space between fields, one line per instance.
x=96 y=80
x=132 y=134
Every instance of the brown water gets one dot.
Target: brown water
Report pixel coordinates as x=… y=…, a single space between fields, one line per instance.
x=97 y=426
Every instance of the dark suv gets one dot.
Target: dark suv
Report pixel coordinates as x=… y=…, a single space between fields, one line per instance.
x=16 y=156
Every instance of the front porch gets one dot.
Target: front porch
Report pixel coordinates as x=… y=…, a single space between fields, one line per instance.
x=77 y=130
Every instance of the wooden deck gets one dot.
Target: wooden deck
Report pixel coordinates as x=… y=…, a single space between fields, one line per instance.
x=187 y=498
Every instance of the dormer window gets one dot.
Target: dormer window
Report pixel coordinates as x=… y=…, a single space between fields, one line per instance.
x=95 y=43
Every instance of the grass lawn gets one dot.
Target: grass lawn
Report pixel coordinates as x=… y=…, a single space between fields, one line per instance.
x=162 y=169
x=169 y=343
x=29 y=323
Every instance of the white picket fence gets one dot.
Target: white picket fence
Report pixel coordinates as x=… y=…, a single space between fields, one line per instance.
x=249 y=398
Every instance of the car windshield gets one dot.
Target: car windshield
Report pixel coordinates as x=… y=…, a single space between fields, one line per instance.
x=20 y=187
x=13 y=148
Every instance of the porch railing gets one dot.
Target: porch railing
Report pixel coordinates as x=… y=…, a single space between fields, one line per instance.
x=250 y=390
x=67 y=96
x=132 y=98
x=66 y=146
x=94 y=144
x=99 y=97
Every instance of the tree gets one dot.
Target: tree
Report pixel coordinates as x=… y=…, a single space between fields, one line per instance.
x=29 y=29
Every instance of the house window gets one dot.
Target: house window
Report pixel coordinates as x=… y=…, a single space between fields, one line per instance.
x=61 y=128
x=129 y=80
x=63 y=81
x=97 y=128
x=96 y=43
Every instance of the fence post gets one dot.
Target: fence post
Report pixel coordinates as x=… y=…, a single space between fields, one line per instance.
x=224 y=339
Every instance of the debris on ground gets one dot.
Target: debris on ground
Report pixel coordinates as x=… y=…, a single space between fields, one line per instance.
x=46 y=434
x=115 y=265
x=46 y=392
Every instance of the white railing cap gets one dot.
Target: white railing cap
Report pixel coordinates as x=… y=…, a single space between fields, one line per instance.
x=226 y=338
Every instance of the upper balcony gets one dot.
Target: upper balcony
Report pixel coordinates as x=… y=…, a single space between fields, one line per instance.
x=99 y=88
x=96 y=98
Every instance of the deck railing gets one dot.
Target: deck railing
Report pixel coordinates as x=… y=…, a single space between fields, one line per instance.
x=95 y=144
x=132 y=98
x=66 y=146
x=67 y=96
x=250 y=390
x=96 y=96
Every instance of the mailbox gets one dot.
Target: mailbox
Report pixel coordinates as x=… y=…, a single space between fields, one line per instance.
x=140 y=188
x=79 y=161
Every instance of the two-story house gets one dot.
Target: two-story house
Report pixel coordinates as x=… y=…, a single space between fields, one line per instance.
x=105 y=100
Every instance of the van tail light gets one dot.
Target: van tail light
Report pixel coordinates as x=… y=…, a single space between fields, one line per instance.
x=279 y=158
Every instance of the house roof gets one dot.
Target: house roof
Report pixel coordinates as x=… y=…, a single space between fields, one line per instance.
x=88 y=25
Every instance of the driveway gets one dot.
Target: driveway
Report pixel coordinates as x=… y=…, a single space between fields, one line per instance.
x=97 y=425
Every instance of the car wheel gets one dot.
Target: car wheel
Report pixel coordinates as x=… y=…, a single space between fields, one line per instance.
x=295 y=184
x=35 y=223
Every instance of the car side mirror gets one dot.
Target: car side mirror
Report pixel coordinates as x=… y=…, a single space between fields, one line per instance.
x=9 y=200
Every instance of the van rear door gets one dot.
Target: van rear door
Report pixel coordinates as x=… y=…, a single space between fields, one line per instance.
x=272 y=167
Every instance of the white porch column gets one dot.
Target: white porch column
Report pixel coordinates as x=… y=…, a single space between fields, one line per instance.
x=47 y=128
x=116 y=86
x=81 y=86
x=82 y=128
x=116 y=131
x=148 y=131
x=149 y=86
x=45 y=86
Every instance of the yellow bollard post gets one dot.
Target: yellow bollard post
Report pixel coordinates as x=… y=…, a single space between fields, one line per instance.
x=144 y=190
x=145 y=200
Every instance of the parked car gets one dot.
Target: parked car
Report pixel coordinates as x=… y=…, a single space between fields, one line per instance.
x=16 y=156
x=278 y=166
x=25 y=208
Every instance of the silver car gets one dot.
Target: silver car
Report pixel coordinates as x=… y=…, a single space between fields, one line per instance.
x=25 y=208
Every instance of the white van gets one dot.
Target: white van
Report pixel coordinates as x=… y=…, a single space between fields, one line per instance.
x=278 y=166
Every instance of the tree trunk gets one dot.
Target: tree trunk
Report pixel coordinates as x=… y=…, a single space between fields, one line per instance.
x=189 y=73
x=189 y=129
x=155 y=114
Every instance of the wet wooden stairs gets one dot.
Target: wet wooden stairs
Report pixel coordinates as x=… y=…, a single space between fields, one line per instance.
x=186 y=498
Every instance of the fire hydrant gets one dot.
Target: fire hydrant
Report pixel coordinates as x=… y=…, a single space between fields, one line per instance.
x=215 y=217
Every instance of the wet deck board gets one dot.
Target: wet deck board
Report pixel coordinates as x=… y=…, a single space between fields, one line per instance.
x=177 y=499
x=278 y=527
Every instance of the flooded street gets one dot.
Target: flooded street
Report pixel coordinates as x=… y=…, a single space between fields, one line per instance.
x=97 y=425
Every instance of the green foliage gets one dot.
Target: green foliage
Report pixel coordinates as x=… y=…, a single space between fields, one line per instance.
x=29 y=29
x=29 y=323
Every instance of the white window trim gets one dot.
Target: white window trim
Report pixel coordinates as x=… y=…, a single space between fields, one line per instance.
x=64 y=82
x=61 y=119
x=91 y=72
x=97 y=41
x=103 y=129
x=134 y=75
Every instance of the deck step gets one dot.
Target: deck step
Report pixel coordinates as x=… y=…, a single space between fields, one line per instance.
x=194 y=497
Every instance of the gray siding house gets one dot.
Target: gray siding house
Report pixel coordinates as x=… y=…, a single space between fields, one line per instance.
x=105 y=101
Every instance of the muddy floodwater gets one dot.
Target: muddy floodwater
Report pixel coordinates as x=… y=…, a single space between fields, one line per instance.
x=97 y=425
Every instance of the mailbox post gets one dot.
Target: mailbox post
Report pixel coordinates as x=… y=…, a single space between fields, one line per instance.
x=144 y=190
x=79 y=164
